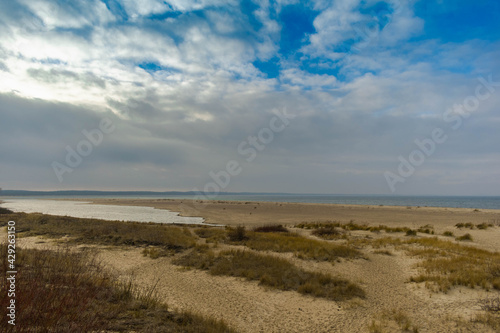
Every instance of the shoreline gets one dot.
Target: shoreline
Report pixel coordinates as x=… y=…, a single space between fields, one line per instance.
x=264 y=212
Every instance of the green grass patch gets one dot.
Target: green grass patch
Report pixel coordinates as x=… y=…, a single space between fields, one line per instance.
x=270 y=271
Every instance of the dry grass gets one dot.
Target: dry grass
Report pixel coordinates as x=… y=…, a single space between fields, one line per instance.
x=466 y=237
x=170 y=238
x=480 y=226
x=211 y=234
x=351 y=226
x=390 y=320
x=328 y=233
x=447 y=264
x=302 y=247
x=270 y=271
x=64 y=291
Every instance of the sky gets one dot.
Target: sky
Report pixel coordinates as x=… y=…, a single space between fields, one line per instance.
x=342 y=96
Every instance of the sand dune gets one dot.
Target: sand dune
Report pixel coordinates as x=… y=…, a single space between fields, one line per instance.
x=249 y=307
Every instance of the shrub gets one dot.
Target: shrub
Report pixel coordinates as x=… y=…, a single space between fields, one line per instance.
x=466 y=237
x=411 y=233
x=237 y=234
x=271 y=228
x=327 y=233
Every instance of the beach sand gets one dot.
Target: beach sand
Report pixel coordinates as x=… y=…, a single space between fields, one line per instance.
x=248 y=307
x=250 y=214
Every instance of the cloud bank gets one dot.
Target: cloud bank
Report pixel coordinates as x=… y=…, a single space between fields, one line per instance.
x=185 y=82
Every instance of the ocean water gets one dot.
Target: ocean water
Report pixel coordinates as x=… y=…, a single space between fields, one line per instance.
x=473 y=202
x=106 y=212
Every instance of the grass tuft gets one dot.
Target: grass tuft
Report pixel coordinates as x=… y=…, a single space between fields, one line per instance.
x=270 y=271
x=64 y=291
x=327 y=233
x=302 y=247
x=466 y=237
x=94 y=231
x=237 y=234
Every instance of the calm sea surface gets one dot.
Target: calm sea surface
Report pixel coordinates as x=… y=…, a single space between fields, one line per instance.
x=137 y=213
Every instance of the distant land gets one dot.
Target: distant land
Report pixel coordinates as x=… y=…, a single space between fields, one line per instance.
x=125 y=193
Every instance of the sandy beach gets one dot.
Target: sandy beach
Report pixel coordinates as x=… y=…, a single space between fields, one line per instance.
x=249 y=307
x=261 y=213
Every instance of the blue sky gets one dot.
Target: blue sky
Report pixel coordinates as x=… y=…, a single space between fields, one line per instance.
x=185 y=83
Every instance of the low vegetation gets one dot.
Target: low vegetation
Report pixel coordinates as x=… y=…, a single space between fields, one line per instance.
x=466 y=237
x=389 y=319
x=447 y=264
x=328 y=233
x=271 y=228
x=211 y=234
x=480 y=226
x=351 y=226
x=63 y=291
x=270 y=271
x=302 y=247
x=169 y=238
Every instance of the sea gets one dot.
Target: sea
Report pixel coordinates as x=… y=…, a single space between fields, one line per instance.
x=30 y=202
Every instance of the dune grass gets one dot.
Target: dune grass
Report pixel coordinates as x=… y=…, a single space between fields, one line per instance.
x=67 y=291
x=302 y=247
x=94 y=231
x=328 y=233
x=447 y=264
x=466 y=237
x=211 y=234
x=351 y=226
x=270 y=271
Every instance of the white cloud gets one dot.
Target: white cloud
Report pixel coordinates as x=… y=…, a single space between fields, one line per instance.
x=69 y=14
x=298 y=77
